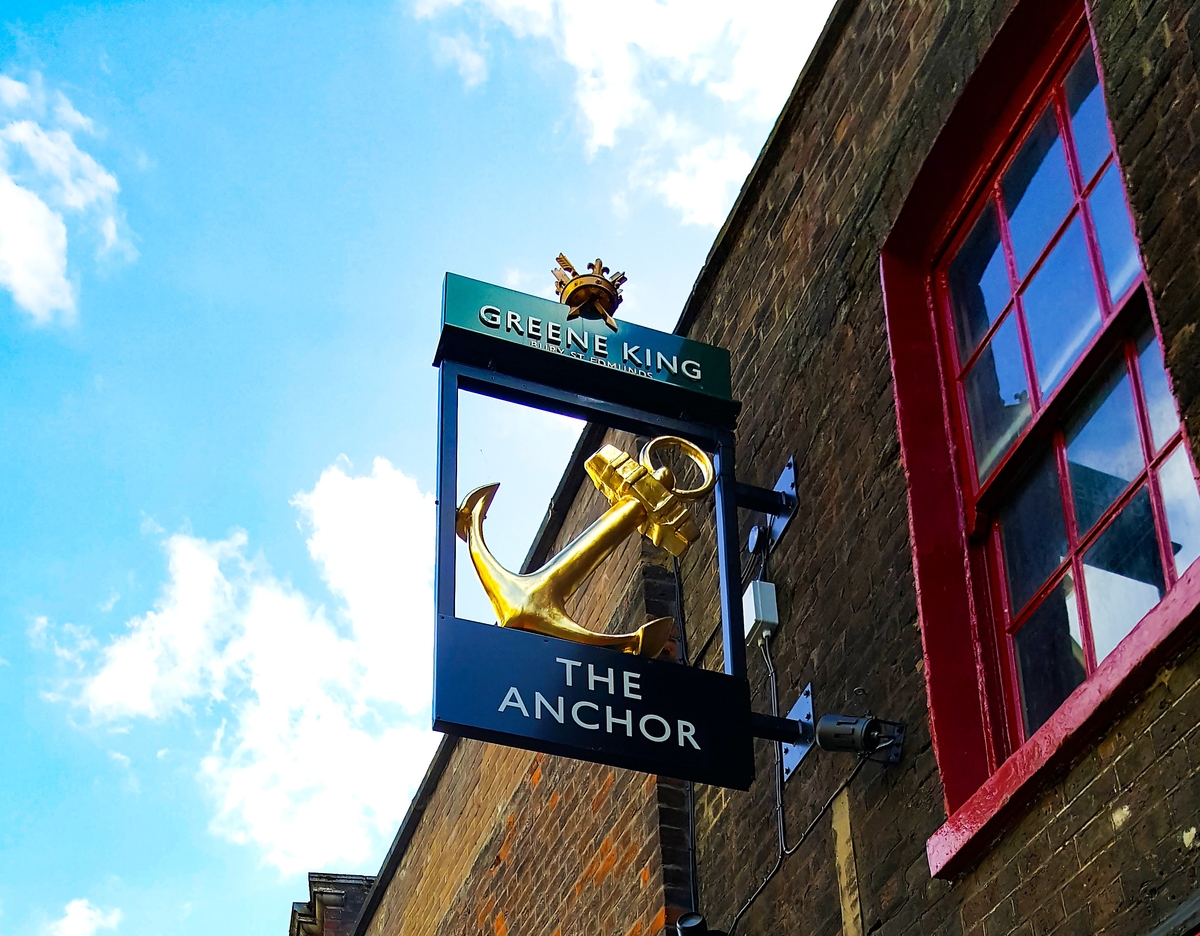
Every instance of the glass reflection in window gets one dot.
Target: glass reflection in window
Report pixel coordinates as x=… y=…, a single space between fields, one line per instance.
x=1123 y=573
x=1037 y=192
x=1104 y=449
x=1034 y=533
x=1160 y=404
x=997 y=397
x=979 y=288
x=1089 y=124
x=1182 y=502
x=1061 y=308
x=1111 y=217
x=1050 y=661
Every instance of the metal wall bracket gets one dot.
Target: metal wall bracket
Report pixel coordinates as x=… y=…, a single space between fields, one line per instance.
x=795 y=732
x=779 y=504
x=891 y=742
x=802 y=712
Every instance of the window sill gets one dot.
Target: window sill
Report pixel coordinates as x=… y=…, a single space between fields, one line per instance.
x=967 y=834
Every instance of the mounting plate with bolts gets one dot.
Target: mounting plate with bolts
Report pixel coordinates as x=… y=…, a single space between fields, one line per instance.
x=786 y=485
x=891 y=746
x=802 y=712
x=778 y=504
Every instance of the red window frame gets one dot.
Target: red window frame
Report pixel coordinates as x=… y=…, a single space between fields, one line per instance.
x=1113 y=340
x=989 y=769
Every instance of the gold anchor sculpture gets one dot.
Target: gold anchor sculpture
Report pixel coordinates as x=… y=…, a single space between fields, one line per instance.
x=643 y=498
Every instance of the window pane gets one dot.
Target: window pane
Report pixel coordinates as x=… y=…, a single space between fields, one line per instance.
x=1088 y=122
x=1034 y=533
x=1049 y=656
x=978 y=283
x=1123 y=574
x=1164 y=417
x=1113 y=230
x=997 y=397
x=1037 y=192
x=1182 y=501
x=1104 y=449
x=1061 y=308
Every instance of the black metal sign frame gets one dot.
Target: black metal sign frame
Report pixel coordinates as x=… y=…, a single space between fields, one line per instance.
x=718 y=439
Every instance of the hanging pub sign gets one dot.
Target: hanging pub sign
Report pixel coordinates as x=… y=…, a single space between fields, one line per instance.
x=539 y=680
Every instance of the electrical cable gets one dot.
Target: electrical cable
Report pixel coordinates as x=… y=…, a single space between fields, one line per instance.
x=774 y=690
x=782 y=850
x=707 y=643
x=683 y=645
x=779 y=859
x=749 y=574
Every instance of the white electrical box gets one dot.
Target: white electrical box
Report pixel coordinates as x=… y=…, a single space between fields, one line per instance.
x=760 y=613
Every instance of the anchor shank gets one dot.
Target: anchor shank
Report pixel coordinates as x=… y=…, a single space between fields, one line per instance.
x=568 y=570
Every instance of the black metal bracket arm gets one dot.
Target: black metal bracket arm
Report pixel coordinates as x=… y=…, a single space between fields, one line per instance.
x=784 y=730
x=779 y=504
x=773 y=503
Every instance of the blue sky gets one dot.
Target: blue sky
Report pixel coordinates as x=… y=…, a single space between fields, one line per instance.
x=223 y=230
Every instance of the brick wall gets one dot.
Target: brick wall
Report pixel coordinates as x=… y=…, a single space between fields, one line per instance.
x=794 y=291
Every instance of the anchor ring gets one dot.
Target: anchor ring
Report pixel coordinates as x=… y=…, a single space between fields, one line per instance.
x=698 y=456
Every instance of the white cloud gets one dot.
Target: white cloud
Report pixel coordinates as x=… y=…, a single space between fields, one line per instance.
x=13 y=93
x=79 y=181
x=33 y=253
x=461 y=52
x=70 y=643
x=82 y=918
x=44 y=177
x=717 y=69
x=698 y=184
x=175 y=653
x=325 y=712
x=67 y=116
x=372 y=537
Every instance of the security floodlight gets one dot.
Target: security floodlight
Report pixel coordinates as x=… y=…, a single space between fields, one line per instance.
x=864 y=734
x=847 y=733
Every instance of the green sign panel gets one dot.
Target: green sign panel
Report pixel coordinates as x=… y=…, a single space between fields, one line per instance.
x=528 y=336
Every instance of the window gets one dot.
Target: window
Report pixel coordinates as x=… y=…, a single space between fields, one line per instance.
x=1053 y=504
x=1088 y=509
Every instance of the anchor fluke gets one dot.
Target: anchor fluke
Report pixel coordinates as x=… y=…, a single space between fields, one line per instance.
x=654 y=635
x=482 y=496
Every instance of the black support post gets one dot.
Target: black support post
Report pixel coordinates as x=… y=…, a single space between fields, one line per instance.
x=447 y=489
x=729 y=558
